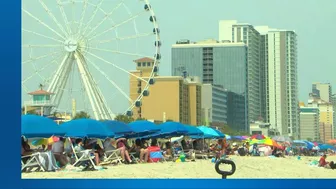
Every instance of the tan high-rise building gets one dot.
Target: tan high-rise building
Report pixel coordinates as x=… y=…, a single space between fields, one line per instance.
x=170 y=97
x=326 y=117
x=325 y=132
x=322 y=91
x=309 y=123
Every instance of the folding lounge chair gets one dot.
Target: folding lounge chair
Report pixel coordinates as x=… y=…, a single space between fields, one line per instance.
x=83 y=156
x=32 y=162
x=155 y=154
x=110 y=156
x=156 y=157
x=201 y=155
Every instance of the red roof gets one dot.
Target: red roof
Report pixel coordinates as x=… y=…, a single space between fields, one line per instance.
x=145 y=59
x=40 y=92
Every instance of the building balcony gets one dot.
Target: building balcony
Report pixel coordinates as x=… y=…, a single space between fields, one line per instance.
x=38 y=103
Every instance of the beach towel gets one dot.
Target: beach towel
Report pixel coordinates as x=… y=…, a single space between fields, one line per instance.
x=314 y=163
x=48 y=161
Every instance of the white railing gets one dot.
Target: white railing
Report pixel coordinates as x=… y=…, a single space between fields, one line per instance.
x=38 y=103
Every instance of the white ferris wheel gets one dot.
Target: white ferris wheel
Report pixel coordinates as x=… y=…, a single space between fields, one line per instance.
x=85 y=50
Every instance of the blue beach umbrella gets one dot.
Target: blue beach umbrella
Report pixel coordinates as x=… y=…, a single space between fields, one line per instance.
x=170 y=129
x=310 y=145
x=143 y=128
x=89 y=128
x=119 y=128
x=326 y=147
x=193 y=131
x=33 y=126
x=209 y=133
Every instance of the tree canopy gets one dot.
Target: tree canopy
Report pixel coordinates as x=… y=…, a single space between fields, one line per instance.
x=81 y=115
x=124 y=118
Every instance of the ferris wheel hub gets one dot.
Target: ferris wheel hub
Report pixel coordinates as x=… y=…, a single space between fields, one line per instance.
x=71 y=45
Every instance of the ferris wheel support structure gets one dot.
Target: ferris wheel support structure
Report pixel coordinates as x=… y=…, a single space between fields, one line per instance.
x=87 y=46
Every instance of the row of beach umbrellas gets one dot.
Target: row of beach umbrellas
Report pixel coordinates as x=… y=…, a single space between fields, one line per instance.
x=33 y=126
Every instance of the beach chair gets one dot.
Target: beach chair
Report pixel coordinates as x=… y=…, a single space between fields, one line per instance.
x=84 y=156
x=112 y=156
x=32 y=162
x=155 y=154
x=199 y=154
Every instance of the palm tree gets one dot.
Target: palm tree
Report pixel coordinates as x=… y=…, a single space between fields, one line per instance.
x=81 y=115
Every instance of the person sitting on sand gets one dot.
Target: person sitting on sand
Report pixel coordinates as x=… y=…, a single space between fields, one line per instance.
x=141 y=151
x=325 y=164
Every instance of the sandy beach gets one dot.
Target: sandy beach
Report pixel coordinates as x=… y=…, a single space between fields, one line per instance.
x=247 y=167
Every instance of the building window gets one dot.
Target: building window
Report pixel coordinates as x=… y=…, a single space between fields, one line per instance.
x=148 y=64
x=144 y=64
x=139 y=64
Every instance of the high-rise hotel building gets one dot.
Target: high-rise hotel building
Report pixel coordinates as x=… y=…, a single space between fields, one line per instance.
x=272 y=73
x=217 y=63
x=231 y=31
x=281 y=81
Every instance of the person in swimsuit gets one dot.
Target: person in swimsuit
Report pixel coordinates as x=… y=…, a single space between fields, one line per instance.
x=220 y=148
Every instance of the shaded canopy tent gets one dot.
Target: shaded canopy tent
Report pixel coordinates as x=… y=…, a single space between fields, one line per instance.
x=119 y=128
x=282 y=139
x=33 y=126
x=143 y=128
x=208 y=133
x=87 y=128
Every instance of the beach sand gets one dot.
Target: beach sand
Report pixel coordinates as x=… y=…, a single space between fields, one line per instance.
x=247 y=167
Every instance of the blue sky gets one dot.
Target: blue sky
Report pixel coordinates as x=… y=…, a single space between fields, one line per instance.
x=178 y=19
x=313 y=20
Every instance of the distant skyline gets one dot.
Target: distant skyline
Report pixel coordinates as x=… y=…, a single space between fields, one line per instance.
x=312 y=21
